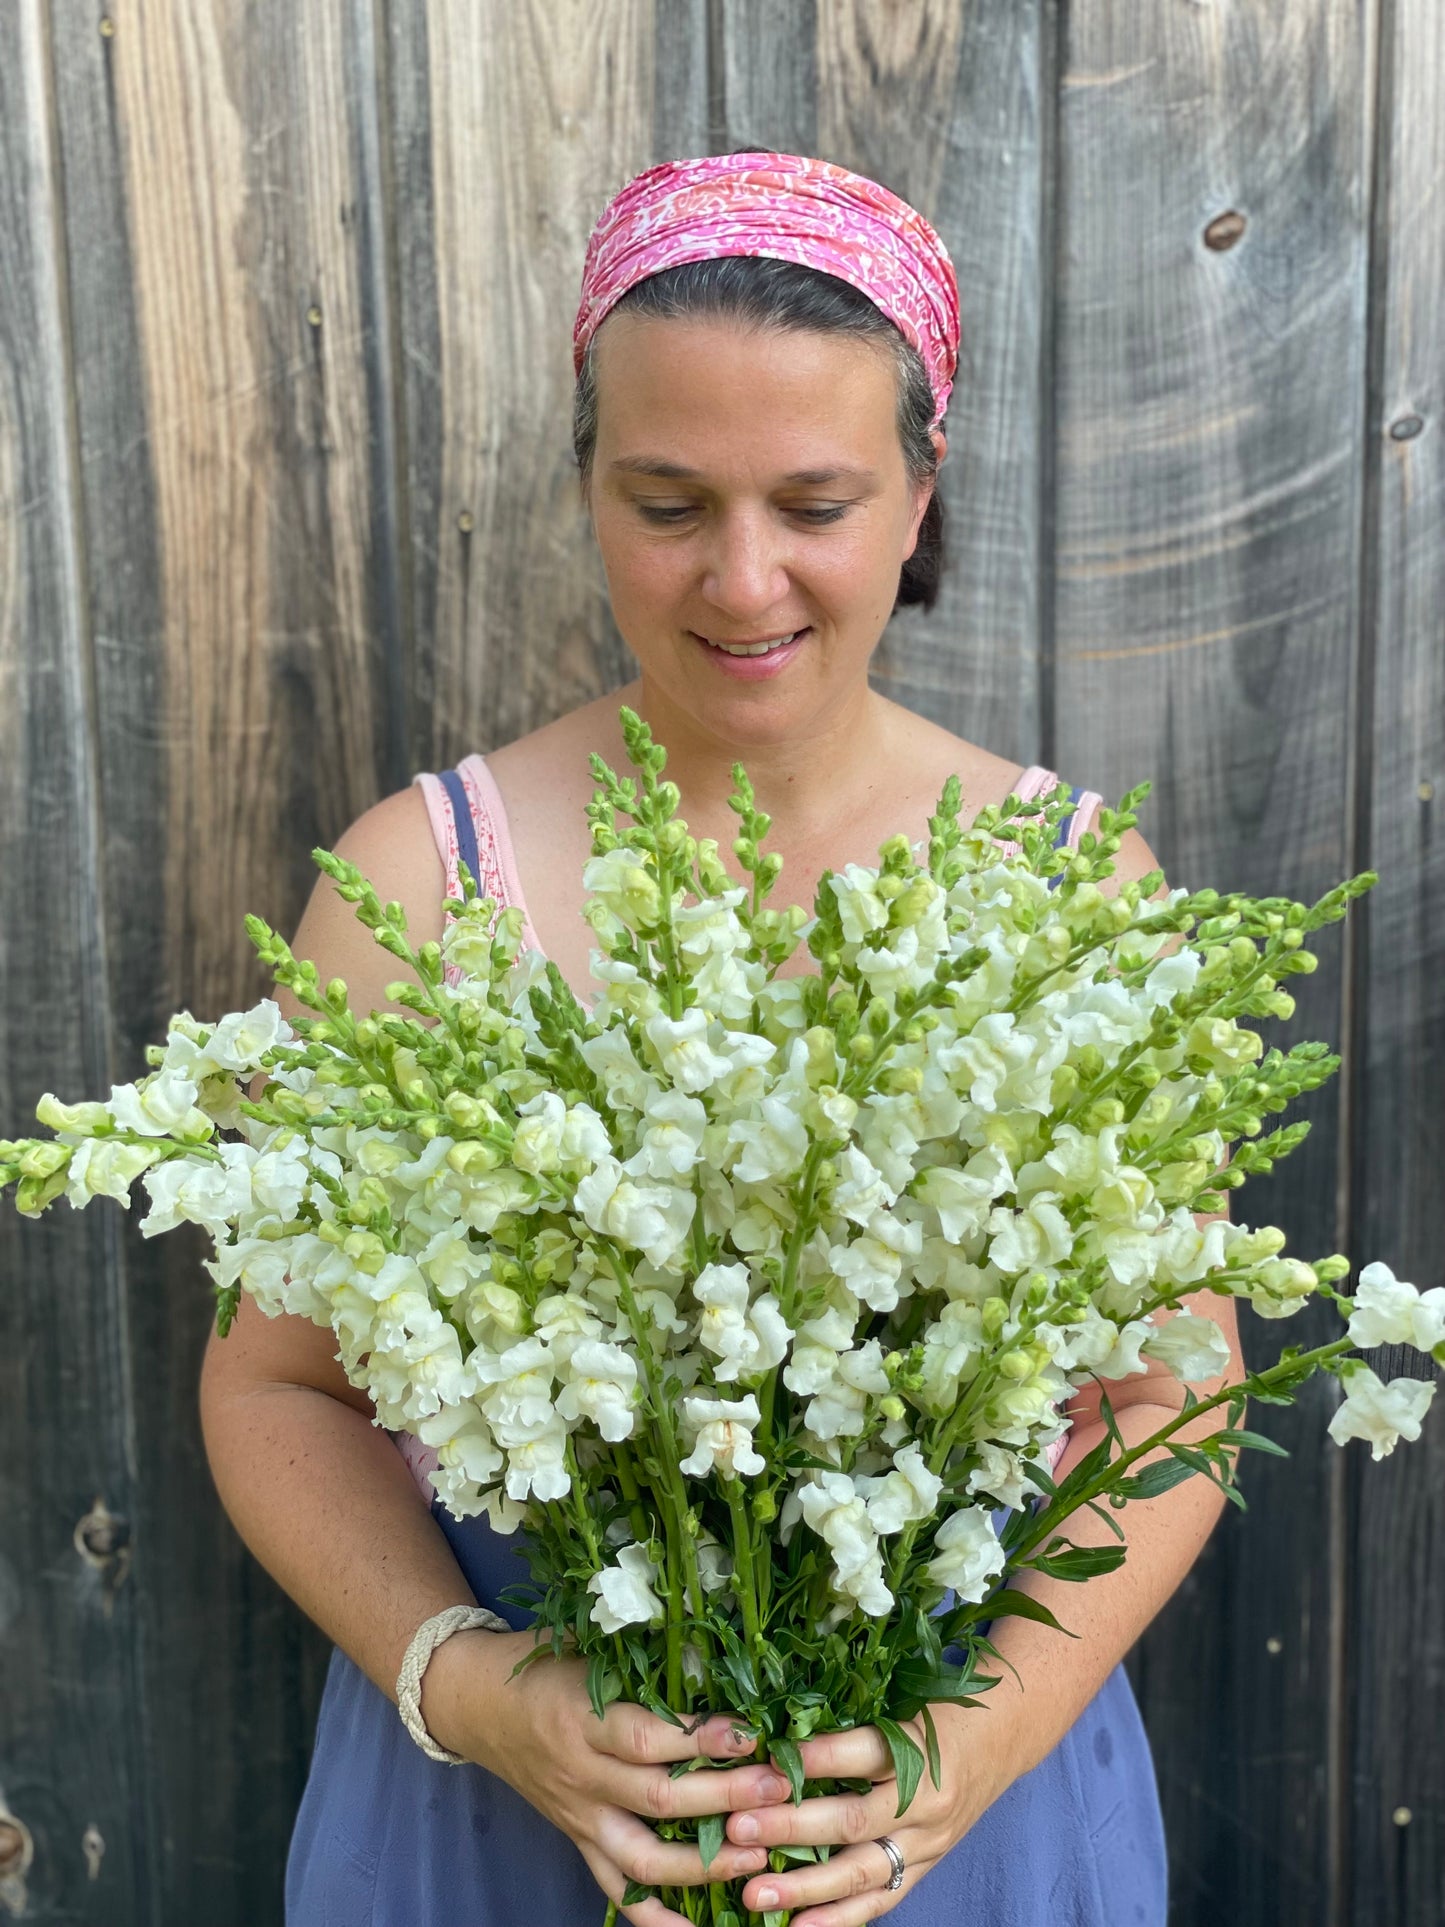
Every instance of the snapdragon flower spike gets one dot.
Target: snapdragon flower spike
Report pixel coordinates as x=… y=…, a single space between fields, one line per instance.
x=753 y=1296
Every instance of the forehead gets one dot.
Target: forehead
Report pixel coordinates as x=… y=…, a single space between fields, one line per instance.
x=697 y=390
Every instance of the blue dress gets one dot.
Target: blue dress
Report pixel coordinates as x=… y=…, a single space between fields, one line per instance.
x=386 y=1837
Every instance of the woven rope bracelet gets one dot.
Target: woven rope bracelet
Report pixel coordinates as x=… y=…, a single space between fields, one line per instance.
x=424 y=1641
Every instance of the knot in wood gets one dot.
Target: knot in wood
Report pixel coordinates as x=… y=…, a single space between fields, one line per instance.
x=1224 y=230
x=102 y=1534
x=1406 y=428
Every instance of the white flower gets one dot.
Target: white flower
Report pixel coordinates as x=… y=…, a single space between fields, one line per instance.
x=714 y=1564
x=840 y=1408
x=672 y=1139
x=624 y=1595
x=207 y=1193
x=514 y=1388
x=907 y=1493
x=537 y=1467
x=281 y=1179
x=1193 y=1348
x=467 y=1455
x=859 y=1189
x=747 y=1338
x=722 y=1437
x=625 y=883
x=860 y=907
x=159 y=1106
x=651 y=1218
x=107 y=1168
x=1383 y=1414
x=1390 y=1312
x=1000 y=1475
x=602 y=1387
x=417 y=1377
x=837 y=1513
x=682 y=1047
x=773 y=1144
x=609 y=1057
x=1040 y=1234
x=967 y=1554
x=241 y=1040
x=963 y=1198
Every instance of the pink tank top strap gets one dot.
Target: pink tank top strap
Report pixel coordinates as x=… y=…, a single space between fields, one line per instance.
x=1036 y=781
x=469 y=824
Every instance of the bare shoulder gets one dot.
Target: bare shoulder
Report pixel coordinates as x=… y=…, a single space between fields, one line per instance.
x=930 y=754
x=549 y=767
x=393 y=847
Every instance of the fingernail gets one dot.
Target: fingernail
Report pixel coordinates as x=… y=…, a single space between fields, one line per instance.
x=767 y=1897
x=745 y=1827
x=775 y=1787
x=744 y=1738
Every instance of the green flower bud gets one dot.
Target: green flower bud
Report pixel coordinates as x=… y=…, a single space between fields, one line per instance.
x=763 y=1507
x=85 y=1120
x=893 y=1408
x=464 y=1111
x=41 y=1161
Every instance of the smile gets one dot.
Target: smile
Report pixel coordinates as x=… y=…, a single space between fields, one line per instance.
x=752 y=648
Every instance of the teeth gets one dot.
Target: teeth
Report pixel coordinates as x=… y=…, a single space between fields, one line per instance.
x=750 y=648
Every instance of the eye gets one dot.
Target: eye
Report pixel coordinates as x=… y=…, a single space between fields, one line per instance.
x=653 y=512
x=817 y=516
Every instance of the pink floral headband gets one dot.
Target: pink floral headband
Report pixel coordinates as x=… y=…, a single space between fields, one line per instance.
x=788 y=208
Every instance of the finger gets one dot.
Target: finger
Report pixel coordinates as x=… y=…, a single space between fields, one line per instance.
x=827 y=1819
x=861 y=1753
x=613 y=1882
x=652 y=1792
x=629 y=1732
x=860 y=1872
x=641 y=1855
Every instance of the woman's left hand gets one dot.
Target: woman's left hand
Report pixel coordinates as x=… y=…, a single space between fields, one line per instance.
x=850 y=1887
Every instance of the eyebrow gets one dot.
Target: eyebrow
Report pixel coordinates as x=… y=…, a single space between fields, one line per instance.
x=666 y=471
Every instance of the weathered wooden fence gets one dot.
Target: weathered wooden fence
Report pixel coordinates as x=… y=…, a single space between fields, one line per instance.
x=287 y=511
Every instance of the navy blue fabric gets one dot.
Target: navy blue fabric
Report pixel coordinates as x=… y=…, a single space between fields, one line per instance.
x=466 y=829
x=1063 y=836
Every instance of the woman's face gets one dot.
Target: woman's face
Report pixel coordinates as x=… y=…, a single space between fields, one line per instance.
x=748 y=487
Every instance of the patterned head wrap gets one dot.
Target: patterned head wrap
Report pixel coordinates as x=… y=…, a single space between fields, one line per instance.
x=788 y=208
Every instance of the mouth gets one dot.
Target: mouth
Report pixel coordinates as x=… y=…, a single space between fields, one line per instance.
x=752 y=656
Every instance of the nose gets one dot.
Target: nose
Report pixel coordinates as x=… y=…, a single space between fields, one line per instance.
x=744 y=569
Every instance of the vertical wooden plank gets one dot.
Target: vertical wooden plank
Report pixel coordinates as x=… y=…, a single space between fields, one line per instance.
x=944 y=105
x=72 y=1716
x=1396 y=1564
x=512 y=127
x=233 y=402
x=1213 y=188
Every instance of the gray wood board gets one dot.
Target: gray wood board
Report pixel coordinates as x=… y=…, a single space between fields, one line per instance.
x=1394 y=1657
x=73 y=1712
x=553 y=113
x=1209 y=469
x=231 y=391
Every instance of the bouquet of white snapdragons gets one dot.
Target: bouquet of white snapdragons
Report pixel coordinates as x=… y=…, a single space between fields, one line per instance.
x=753 y=1297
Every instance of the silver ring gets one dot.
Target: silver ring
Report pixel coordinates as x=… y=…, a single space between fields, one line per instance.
x=895 y=1861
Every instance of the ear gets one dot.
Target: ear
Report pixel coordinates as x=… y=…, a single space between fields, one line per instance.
x=925 y=496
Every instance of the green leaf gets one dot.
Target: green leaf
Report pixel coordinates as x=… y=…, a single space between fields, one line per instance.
x=603 y=1686
x=710 y=1831
x=1079 y=1562
x=788 y=1760
x=1152 y=1480
x=777 y=1918
x=1011 y=1603
x=635 y=1891
x=1258 y=1441
x=907 y=1758
x=935 y=1758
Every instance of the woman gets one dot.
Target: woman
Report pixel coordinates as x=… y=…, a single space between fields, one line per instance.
x=764 y=348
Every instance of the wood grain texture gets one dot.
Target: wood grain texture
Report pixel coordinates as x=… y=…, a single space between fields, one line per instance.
x=943 y=104
x=232 y=400
x=514 y=125
x=73 y=1713
x=1209 y=467
x=1395 y=1564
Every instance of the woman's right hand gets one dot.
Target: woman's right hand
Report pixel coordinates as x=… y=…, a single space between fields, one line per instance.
x=600 y=1781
